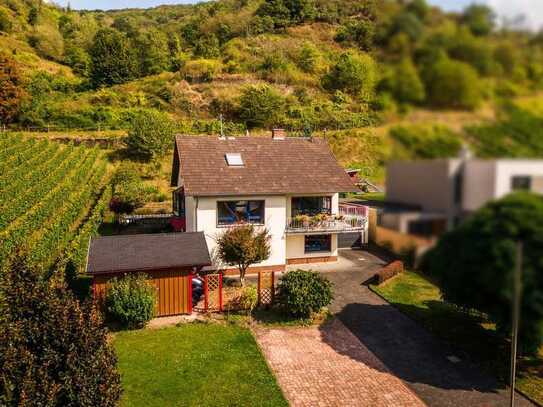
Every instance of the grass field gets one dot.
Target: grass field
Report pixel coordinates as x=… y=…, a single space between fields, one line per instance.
x=420 y=299
x=195 y=365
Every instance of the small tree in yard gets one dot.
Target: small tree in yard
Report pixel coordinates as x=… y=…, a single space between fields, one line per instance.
x=151 y=134
x=53 y=351
x=243 y=246
x=474 y=264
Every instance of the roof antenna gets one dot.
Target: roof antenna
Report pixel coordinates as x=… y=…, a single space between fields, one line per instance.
x=222 y=130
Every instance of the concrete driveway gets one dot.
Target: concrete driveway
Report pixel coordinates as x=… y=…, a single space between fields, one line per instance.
x=410 y=352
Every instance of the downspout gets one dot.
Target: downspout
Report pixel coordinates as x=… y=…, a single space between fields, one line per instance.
x=196 y=215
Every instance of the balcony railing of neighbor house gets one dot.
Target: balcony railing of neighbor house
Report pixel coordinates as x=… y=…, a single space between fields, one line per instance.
x=342 y=222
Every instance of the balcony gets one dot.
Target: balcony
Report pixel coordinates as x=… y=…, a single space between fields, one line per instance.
x=324 y=223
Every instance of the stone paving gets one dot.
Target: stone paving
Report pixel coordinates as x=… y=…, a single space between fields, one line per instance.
x=328 y=366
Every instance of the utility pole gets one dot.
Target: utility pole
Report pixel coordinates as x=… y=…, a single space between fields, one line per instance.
x=517 y=295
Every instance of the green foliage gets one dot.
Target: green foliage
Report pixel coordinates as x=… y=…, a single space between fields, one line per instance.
x=427 y=142
x=479 y=18
x=453 y=84
x=243 y=246
x=302 y=293
x=131 y=300
x=474 y=264
x=129 y=191
x=361 y=33
x=53 y=351
x=249 y=298
x=33 y=15
x=405 y=84
x=48 y=42
x=284 y=13
x=151 y=134
x=260 y=106
x=308 y=59
x=354 y=73
x=79 y=60
x=113 y=59
x=11 y=89
x=519 y=133
x=201 y=70
x=6 y=25
x=155 y=54
x=409 y=24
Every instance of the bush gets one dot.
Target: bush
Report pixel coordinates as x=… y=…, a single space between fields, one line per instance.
x=260 y=106
x=131 y=300
x=405 y=83
x=151 y=134
x=248 y=299
x=453 y=84
x=354 y=73
x=302 y=293
x=53 y=351
x=201 y=70
x=5 y=21
x=427 y=141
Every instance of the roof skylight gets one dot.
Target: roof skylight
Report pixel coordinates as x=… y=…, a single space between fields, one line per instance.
x=234 y=160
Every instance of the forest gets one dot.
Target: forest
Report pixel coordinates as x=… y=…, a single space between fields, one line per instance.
x=357 y=71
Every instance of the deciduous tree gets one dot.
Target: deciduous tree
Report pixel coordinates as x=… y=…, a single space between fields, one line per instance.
x=11 y=89
x=474 y=264
x=243 y=246
x=53 y=351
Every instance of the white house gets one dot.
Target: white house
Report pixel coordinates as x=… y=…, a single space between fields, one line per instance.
x=429 y=196
x=288 y=185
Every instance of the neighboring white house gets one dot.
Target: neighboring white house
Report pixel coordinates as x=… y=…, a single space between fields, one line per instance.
x=288 y=185
x=428 y=196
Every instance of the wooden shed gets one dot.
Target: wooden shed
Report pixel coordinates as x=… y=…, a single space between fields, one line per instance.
x=169 y=259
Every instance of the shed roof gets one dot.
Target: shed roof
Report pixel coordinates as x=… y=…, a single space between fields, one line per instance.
x=147 y=252
x=270 y=166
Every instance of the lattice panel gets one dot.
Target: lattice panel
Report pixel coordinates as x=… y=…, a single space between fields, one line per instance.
x=213 y=292
x=266 y=289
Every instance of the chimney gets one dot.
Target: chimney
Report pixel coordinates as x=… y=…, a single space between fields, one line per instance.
x=278 y=134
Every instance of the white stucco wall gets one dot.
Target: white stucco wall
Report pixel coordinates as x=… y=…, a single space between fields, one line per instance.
x=275 y=221
x=296 y=248
x=507 y=169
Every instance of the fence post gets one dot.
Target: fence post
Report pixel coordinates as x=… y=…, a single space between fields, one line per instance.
x=220 y=292
x=206 y=293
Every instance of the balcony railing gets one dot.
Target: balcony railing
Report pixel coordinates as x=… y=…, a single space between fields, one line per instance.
x=326 y=223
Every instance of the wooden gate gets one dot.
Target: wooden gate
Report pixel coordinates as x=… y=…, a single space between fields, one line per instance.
x=266 y=288
x=213 y=292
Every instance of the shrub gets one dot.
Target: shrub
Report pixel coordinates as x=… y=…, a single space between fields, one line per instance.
x=201 y=70
x=427 y=142
x=151 y=134
x=260 y=106
x=302 y=293
x=5 y=21
x=53 y=351
x=453 y=84
x=248 y=299
x=405 y=83
x=131 y=300
x=354 y=73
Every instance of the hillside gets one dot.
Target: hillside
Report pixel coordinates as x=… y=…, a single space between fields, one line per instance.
x=351 y=70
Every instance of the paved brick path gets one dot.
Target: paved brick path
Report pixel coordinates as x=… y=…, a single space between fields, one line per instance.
x=328 y=366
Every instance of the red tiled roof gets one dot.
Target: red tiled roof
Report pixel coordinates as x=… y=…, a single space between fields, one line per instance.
x=289 y=166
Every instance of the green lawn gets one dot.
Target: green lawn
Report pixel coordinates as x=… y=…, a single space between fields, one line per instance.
x=420 y=299
x=194 y=365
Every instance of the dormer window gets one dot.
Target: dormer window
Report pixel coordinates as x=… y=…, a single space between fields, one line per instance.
x=234 y=160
